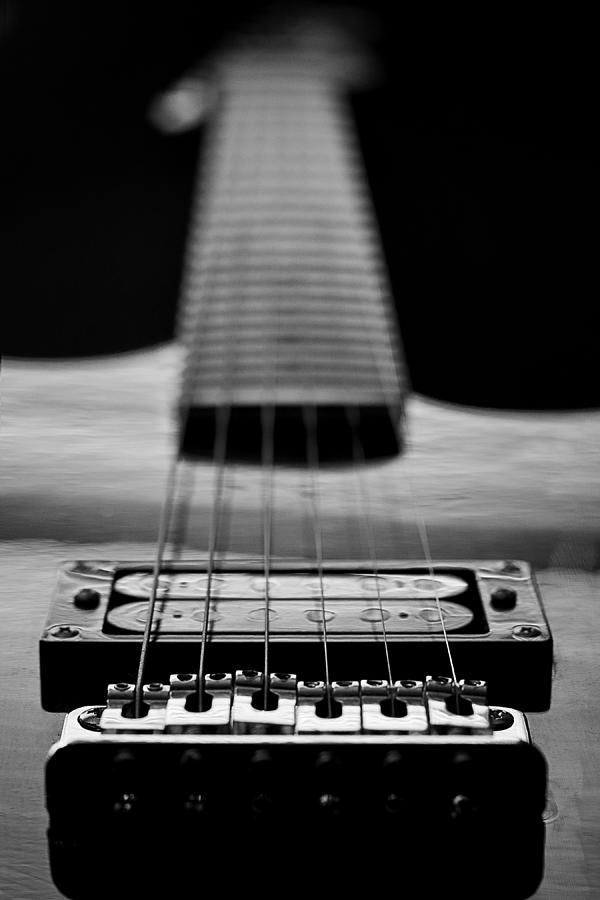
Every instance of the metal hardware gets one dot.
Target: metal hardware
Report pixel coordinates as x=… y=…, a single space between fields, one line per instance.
x=87 y=598
x=64 y=632
x=248 y=712
x=400 y=708
x=120 y=700
x=527 y=632
x=457 y=709
x=478 y=629
x=504 y=598
x=314 y=706
x=218 y=691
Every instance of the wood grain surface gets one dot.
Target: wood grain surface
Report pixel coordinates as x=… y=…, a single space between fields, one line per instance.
x=84 y=451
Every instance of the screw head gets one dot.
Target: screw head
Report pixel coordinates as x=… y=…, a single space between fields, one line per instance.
x=217 y=676
x=510 y=567
x=249 y=673
x=526 y=632
x=64 y=632
x=503 y=598
x=155 y=686
x=87 y=598
x=500 y=719
x=90 y=718
x=121 y=686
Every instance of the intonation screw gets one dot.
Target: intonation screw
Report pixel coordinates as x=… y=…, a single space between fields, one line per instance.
x=121 y=686
x=526 y=632
x=87 y=598
x=155 y=686
x=65 y=632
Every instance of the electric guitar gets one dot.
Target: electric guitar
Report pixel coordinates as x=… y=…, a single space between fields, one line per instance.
x=294 y=624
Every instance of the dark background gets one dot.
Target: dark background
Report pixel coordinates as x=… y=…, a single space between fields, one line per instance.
x=481 y=146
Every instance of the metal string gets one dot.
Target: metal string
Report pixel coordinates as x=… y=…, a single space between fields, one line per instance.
x=358 y=456
x=163 y=531
x=424 y=538
x=219 y=460
x=390 y=404
x=267 y=455
x=309 y=415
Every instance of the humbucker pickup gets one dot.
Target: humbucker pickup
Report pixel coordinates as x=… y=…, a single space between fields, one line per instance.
x=491 y=610
x=162 y=809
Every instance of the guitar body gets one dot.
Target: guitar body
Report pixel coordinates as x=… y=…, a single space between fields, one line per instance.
x=288 y=401
x=85 y=455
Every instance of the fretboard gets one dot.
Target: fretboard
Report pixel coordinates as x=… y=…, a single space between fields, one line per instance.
x=286 y=302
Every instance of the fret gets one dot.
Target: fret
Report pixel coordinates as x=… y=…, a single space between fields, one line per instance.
x=285 y=294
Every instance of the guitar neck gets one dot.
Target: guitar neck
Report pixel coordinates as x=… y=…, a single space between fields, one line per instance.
x=286 y=302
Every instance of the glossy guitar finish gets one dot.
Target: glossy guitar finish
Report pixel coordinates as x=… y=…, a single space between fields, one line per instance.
x=85 y=450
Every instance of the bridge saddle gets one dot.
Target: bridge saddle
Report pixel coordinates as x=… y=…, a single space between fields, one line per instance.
x=240 y=705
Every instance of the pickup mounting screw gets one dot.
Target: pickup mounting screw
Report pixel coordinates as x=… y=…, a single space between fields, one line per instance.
x=87 y=598
x=504 y=598
x=509 y=567
x=526 y=632
x=64 y=632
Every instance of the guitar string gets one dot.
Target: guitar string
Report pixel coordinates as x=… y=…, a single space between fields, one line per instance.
x=268 y=475
x=419 y=517
x=309 y=416
x=359 y=461
x=223 y=416
x=164 y=524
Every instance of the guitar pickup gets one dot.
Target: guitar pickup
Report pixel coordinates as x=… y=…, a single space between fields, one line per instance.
x=479 y=790
x=491 y=611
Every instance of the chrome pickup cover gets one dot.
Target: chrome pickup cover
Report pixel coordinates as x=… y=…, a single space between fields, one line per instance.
x=491 y=611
